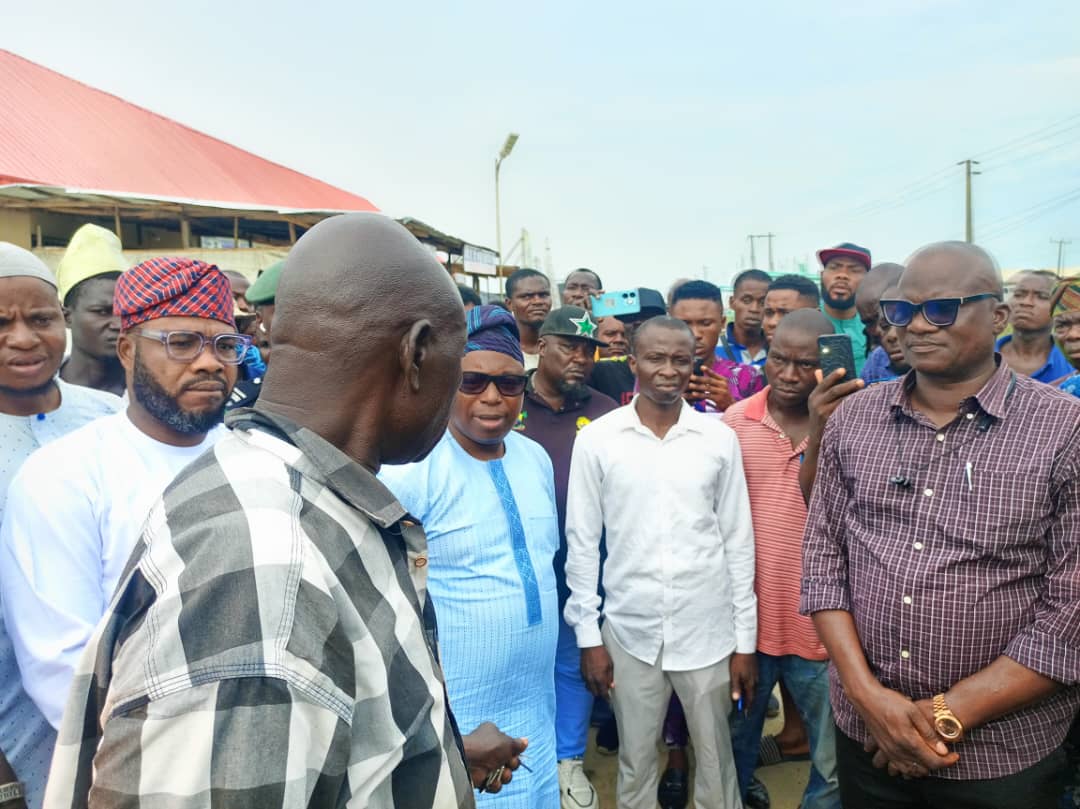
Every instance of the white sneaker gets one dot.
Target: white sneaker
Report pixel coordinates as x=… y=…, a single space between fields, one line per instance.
x=575 y=790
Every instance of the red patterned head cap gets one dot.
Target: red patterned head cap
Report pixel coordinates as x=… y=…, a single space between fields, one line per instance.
x=172 y=287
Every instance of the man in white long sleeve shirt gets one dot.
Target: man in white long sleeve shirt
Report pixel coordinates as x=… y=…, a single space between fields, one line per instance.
x=77 y=505
x=667 y=484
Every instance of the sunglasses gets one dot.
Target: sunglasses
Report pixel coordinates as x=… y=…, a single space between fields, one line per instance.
x=474 y=383
x=939 y=312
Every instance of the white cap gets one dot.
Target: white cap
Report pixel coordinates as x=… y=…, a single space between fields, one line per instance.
x=16 y=262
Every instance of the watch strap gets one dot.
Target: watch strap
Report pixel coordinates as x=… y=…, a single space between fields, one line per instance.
x=12 y=791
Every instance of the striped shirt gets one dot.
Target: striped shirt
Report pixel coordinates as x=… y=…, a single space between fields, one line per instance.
x=954 y=546
x=270 y=645
x=778 y=512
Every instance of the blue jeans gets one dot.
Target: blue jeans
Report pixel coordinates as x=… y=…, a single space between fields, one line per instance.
x=573 y=702
x=808 y=683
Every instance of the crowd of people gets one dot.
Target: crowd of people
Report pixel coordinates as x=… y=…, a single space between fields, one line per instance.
x=347 y=535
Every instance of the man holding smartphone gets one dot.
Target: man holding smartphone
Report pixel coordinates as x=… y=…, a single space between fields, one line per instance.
x=718 y=381
x=773 y=428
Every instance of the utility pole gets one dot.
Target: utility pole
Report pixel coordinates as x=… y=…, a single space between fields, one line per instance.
x=753 y=256
x=1061 y=253
x=969 y=231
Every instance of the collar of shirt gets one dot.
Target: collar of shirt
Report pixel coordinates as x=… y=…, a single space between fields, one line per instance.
x=744 y=353
x=330 y=466
x=757 y=409
x=686 y=423
x=570 y=403
x=991 y=398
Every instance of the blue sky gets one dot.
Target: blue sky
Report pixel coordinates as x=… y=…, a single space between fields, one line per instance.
x=654 y=137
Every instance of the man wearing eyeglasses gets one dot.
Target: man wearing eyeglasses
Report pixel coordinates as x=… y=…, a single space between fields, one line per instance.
x=940 y=559
x=78 y=505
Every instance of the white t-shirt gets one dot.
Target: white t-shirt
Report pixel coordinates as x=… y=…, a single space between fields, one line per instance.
x=74 y=511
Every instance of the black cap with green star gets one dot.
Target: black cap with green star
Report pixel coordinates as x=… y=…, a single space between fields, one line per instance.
x=571 y=321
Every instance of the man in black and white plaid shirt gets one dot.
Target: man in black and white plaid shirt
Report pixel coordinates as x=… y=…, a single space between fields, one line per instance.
x=271 y=643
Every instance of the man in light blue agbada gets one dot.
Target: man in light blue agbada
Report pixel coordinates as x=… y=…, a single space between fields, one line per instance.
x=486 y=498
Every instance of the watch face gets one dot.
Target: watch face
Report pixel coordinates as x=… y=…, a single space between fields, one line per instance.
x=949 y=729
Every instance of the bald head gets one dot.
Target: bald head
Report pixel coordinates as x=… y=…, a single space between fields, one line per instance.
x=880 y=277
x=659 y=322
x=367 y=321
x=966 y=266
x=804 y=323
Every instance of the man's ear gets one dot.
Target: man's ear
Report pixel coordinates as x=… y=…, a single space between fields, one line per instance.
x=540 y=347
x=125 y=350
x=1001 y=318
x=67 y=316
x=632 y=362
x=414 y=351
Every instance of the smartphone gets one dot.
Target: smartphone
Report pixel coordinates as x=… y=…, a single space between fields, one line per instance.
x=835 y=351
x=611 y=304
x=699 y=366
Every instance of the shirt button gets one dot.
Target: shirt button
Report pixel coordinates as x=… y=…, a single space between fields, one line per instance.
x=940 y=437
x=928 y=492
x=918 y=546
x=969 y=416
x=907 y=599
x=904 y=653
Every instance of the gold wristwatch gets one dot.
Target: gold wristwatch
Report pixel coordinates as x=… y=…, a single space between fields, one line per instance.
x=945 y=721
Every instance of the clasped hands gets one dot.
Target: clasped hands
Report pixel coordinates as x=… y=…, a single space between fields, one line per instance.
x=902 y=735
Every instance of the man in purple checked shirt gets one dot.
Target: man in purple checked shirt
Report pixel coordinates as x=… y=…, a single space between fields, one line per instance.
x=942 y=559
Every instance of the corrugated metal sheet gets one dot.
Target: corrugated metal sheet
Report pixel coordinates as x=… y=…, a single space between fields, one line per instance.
x=57 y=131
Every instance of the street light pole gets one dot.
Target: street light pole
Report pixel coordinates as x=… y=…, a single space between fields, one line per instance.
x=504 y=153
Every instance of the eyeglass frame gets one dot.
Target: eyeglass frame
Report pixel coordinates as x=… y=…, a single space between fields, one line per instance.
x=918 y=308
x=494 y=379
x=163 y=338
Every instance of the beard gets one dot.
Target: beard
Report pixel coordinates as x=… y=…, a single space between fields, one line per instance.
x=837 y=303
x=572 y=390
x=166 y=409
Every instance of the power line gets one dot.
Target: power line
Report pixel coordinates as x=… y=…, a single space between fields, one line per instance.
x=1047 y=148
x=1010 y=223
x=1015 y=142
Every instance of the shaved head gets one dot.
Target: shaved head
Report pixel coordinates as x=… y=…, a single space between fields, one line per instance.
x=368 y=334
x=880 y=277
x=659 y=322
x=804 y=322
x=963 y=263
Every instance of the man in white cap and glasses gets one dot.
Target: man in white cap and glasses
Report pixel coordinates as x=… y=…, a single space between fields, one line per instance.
x=35 y=409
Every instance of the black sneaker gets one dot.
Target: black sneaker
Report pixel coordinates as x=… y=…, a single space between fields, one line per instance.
x=757 y=796
x=674 y=789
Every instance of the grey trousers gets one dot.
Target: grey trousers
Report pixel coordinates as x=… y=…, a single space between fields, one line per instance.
x=640 y=699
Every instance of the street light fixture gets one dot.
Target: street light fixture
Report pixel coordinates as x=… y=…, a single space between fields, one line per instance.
x=504 y=153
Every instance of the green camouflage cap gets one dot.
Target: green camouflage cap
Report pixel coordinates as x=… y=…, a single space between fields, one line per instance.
x=265 y=287
x=571 y=321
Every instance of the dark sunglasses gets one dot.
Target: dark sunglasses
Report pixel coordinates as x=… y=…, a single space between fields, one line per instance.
x=474 y=383
x=939 y=312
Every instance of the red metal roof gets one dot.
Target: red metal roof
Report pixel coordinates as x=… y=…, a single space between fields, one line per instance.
x=58 y=131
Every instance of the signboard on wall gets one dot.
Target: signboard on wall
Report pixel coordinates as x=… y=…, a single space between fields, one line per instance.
x=479 y=260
